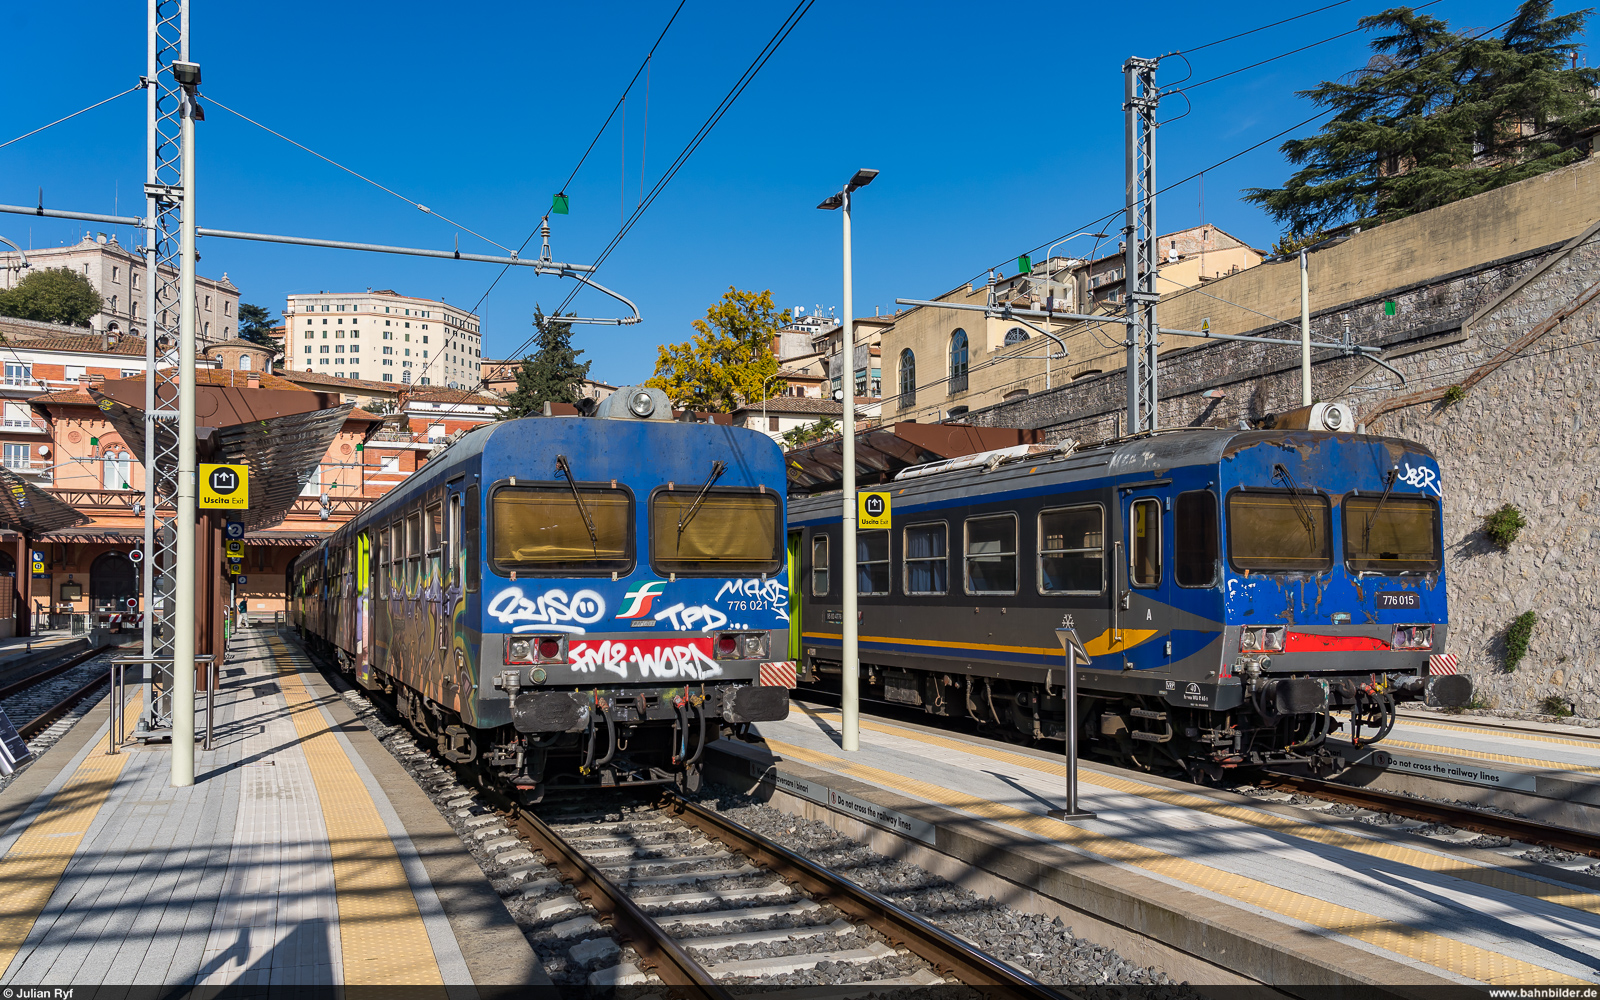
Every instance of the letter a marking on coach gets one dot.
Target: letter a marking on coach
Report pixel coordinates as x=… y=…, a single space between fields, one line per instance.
x=639 y=598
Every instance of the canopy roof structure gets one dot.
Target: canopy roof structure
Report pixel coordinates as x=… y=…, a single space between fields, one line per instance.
x=28 y=510
x=883 y=451
x=281 y=434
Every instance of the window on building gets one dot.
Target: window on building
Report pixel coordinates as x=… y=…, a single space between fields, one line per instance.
x=16 y=456
x=245 y=362
x=133 y=279
x=16 y=415
x=1015 y=335
x=324 y=348
x=387 y=377
x=116 y=470
x=115 y=271
x=908 y=377
x=18 y=373
x=227 y=308
x=354 y=348
x=958 y=361
x=338 y=348
x=208 y=302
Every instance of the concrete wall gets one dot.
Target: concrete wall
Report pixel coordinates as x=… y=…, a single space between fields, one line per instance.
x=1520 y=330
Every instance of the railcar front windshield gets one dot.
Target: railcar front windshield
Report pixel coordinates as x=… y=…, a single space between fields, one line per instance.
x=542 y=529
x=1278 y=531
x=1392 y=535
x=727 y=534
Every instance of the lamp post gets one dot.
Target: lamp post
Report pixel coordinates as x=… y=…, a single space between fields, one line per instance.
x=1048 y=250
x=187 y=75
x=850 y=660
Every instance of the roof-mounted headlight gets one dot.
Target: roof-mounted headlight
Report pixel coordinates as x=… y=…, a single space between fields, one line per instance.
x=640 y=404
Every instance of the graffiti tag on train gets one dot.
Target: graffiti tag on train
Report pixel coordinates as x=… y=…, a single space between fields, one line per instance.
x=687 y=659
x=1421 y=477
x=701 y=617
x=756 y=594
x=552 y=610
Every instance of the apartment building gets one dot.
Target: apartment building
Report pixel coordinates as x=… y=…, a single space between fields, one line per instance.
x=382 y=336
x=121 y=276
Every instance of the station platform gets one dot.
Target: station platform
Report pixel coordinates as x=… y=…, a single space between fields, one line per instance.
x=1271 y=892
x=302 y=855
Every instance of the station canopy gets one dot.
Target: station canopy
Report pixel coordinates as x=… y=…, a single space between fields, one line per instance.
x=281 y=434
x=28 y=510
x=881 y=452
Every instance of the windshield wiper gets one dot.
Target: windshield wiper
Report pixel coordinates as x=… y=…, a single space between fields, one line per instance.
x=561 y=463
x=1372 y=518
x=718 y=467
x=1281 y=474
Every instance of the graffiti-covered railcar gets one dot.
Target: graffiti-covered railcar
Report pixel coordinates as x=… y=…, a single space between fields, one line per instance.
x=569 y=600
x=1241 y=595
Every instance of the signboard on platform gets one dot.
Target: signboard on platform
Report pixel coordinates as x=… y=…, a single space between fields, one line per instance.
x=871 y=812
x=233 y=529
x=224 y=486
x=874 y=510
x=14 y=750
x=1455 y=770
x=235 y=548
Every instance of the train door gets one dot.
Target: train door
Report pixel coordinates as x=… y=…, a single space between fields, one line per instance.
x=383 y=580
x=363 y=647
x=794 y=595
x=1146 y=604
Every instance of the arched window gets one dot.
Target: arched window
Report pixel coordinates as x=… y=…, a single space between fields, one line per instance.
x=958 y=361
x=1015 y=335
x=116 y=470
x=908 y=378
x=244 y=362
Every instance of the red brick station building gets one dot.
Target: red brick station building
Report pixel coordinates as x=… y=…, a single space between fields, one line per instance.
x=57 y=438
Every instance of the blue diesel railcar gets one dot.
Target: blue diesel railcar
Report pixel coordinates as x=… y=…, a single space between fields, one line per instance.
x=1241 y=594
x=568 y=600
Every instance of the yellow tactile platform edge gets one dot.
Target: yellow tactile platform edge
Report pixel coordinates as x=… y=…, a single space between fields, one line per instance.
x=381 y=933
x=1496 y=733
x=1503 y=758
x=1440 y=864
x=1412 y=943
x=31 y=870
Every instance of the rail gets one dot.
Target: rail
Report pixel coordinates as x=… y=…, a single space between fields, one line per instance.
x=655 y=946
x=1428 y=811
x=944 y=951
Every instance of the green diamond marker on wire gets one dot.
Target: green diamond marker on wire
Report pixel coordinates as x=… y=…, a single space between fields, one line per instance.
x=93 y=442
x=1024 y=264
x=1388 y=308
x=558 y=204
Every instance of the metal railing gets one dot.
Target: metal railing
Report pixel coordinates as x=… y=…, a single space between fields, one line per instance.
x=116 y=738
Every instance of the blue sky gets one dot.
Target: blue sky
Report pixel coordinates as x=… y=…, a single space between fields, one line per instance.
x=996 y=128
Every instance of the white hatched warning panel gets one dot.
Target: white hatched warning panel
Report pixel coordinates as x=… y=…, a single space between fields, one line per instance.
x=1444 y=663
x=780 y=674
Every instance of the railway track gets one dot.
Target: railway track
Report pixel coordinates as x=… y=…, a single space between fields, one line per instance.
x=39 y=700
x=673 y=879
x=1446 y=813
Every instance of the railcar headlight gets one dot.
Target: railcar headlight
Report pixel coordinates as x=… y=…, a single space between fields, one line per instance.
x=519 y=651
x=1268 y=637
x=640 y=404
x=1249 y=639
x=1412 y=637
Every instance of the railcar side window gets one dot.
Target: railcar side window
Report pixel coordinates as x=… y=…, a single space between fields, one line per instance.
x=729 y=533
x=452 y=539
x=991 y=556
x=472 y=540
x=1400 y=535
x=413 y=552
x=544 y=529
x=385 y=553
x=872 y=563
x=927 y=558
x=819 y=566
x=435 y=525
x=1072 y=551
x=1144 y=543
x=1195 y=543
x=1279 y=531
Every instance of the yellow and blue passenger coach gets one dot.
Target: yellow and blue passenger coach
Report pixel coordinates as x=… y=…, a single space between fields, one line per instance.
x=568 y=600
x=1242 y=595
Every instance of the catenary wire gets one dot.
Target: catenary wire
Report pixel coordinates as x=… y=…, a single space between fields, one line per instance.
x=353 y=173
x=1264 y=27
x=58 y=121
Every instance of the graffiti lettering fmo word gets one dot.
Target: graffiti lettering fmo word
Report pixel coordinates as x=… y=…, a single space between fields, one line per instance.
x=553 y=610
x=688 y=660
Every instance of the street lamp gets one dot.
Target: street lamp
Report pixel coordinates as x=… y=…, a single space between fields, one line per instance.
x=850 y=659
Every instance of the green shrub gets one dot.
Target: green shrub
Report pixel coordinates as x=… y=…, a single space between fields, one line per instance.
x=1454 y=394
x=1504 y=525
x=1517 y=636
x=1555 y=705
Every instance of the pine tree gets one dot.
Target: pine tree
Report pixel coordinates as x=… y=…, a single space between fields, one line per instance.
x=1436 y=116
x=552 y=373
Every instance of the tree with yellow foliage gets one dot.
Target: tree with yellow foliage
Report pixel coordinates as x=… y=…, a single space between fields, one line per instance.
x=729 y=363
